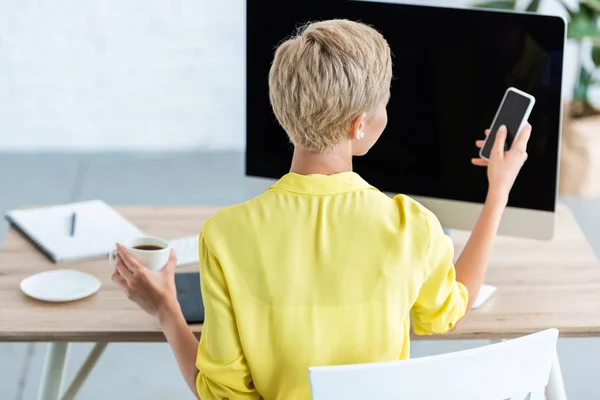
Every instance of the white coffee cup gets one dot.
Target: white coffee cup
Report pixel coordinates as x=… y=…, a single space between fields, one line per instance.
x=151 y=252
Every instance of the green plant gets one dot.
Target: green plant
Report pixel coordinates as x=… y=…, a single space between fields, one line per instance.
x=583 y=26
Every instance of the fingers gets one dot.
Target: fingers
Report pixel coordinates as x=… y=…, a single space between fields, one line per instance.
x=520 y=143
x=122 y=269
x=120 y=281
x=130 y=261
x=172 y=263
x=498 y=149
x=480 y=143
x=117 y=278
x=480 y=162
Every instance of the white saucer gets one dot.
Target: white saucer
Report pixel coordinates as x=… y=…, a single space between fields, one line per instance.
x=60 y=285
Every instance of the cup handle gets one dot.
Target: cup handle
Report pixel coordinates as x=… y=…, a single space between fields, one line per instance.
x=111 y=257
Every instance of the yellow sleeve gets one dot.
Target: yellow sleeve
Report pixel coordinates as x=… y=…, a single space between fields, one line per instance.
x=442 y=301
x=223 y=370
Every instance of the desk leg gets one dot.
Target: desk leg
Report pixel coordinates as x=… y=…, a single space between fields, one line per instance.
x=556 y=387
x=54 y=371
x=84 y=371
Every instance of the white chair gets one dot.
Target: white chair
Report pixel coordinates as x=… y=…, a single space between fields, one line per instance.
x=514 y=369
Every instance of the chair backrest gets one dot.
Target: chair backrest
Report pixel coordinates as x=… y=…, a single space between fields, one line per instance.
x=516 y=369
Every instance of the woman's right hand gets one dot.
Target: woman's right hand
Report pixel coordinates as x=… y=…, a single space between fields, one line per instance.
x=504 y=166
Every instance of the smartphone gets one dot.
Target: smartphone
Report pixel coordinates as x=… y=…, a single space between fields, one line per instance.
x=513 y=112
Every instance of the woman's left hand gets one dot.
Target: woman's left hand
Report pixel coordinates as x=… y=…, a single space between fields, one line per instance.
x=153 y=291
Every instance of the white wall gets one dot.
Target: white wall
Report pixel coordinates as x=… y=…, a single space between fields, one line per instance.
x=99 y=75
x=121 y=74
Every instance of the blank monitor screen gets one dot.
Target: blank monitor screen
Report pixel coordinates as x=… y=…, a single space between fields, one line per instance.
x=451 y=70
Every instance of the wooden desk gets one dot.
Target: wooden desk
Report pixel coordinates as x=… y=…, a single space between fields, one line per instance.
x=540 y=285
x=106 y=316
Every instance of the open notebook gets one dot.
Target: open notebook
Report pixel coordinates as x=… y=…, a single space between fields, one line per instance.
x=97 y=228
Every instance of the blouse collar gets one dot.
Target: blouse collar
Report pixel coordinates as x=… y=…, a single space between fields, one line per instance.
x=317 y=184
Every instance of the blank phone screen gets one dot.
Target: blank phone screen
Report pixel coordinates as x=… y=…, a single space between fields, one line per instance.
x=512 y=111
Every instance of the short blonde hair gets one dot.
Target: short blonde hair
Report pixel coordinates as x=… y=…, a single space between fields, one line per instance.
x=324 y=77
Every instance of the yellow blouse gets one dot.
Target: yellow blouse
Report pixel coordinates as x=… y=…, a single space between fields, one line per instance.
x=318 y=270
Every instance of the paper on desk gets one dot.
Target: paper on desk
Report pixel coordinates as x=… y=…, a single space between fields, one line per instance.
x=98 y=228
x=485 y=293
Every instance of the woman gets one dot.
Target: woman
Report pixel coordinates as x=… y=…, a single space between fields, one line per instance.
x=322 y=269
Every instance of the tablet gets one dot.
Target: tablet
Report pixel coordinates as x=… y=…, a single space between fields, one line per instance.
x=190 y=297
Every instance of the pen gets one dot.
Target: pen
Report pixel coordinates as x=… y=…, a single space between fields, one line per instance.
x=73 y=221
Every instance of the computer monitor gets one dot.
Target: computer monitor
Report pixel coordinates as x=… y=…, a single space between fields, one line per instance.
x=451 y=69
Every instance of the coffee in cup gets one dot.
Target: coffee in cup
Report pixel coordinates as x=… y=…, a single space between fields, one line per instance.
x=151 y=252
x=147 y=247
